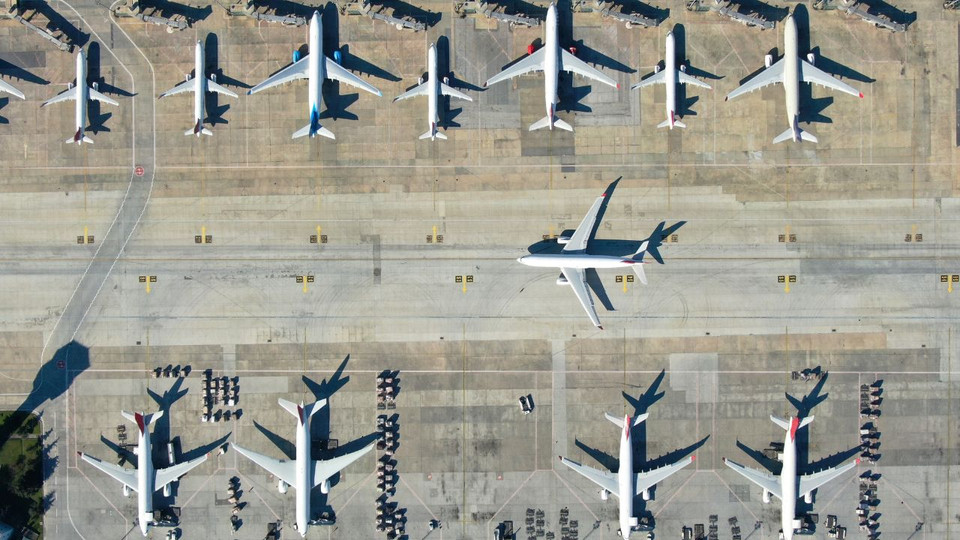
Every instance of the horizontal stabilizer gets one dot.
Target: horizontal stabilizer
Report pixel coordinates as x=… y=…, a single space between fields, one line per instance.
x=545 y=122
x=313 y=132
x=638 y=270
x=307 y=410
x=676 y=123
x=619 y=421
x=788 y=135
x=431 y=134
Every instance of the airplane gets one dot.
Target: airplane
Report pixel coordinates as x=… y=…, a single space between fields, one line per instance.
x=199 y=84
x=573 y=260
x=791 y=70
x=80 y=93
x=624 y=484
x=431 y=88
x=551 y=60
x=316 y=68
x=788 y=487
x=670 y=76
x=303 y=473
x=144 y=479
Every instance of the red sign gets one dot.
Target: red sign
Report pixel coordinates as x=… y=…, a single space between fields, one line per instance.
x=138 y=170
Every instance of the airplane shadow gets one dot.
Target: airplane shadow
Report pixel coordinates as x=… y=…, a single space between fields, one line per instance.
x=331 y=44
x=16 y=72
x=403 y=10
x=685 y=102
x=633 y=7
x=167 y=9
x=4 y=101
x=95 y=116
x=761 y=9
x=211 y=51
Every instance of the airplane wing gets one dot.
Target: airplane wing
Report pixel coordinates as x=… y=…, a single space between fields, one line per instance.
x=569 y=62
x=127 y=477
x=813 y=75
x=186 y=86
x=810 y=482
x=763 y=479
x=325 y=468
x=687 y=79
x=282 y=469
x=576 y=277
x=6 y=87
x=604 y=479
x=534 y=62
x=453 y=92
x=771 y=75
x=336 y=72
x=95 y=95
x=648 y=479
x=296 y=70
x=419 y=90
x=68 y=94
x=581 y=237
x=657 y=78
x=163 y=477
x=213 y=86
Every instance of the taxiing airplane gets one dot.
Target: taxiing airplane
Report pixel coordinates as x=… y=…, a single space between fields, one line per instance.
x=80 y=93
x=551 y=60
x=625 y=484
x=788 y=487
x=144 y=479
x=199 y=84
x=573 y=261
x=431 y=88
x=316 y=68
x=670 y=76
x=303 y=473
x=791 y=70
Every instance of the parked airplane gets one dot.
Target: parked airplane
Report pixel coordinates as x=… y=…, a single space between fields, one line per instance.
x=551 y=60
x=80 y=93
x=573 y=260
x=199 y=84
x=670 y=76
x=303 y=474
x=624 y=484
x=431 y=88
x=791 y=70
x=144 y=479
x=316 y=68
x=788 y=487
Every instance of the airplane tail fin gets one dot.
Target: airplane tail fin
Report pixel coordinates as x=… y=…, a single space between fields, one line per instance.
x=545 y=122
x=313 y=130
x=302 y=412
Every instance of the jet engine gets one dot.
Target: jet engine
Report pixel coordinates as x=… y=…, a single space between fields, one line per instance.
x=96 y=86
x=296 y=56
x=168 y=489
x=810 y=58
x=338 y=57
x=766 y=497
x=446 y=80
x=573 y=50
x=187 y=77
x=69 y=86
x=656 y=68
x=604 y=495
x=768 y=60
x=325 y=486
x=213 y=77
x=646 y=494
x=531 y=49
x=563 y=239
x=808 y=498
x=562 y=280
x=282 y=486
x=683 y=68
x=126 y=490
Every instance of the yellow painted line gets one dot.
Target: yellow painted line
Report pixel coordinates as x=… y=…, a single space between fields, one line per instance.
x=787 y=237
x=318 y=234
x=949 y=284
x=624 y=283
x=464 y=285
x=148 y=285
x=85 y=234
x=304 y=284
x=786 y=281
x=203 y=234
x=434 y=234
x=551 y=232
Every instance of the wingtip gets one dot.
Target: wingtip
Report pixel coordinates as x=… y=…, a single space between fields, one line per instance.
x=618 y=86
x=858 y=461
x=693 y=458
x=861 y=95
x=600 y=327
x=80 y=454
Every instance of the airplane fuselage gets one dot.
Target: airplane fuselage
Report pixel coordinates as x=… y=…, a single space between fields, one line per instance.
x=433 y=116
x=625 y=478
x=788 y=481
x=315 y=70
x=303 y=466
x=201 y=91
x=670 y=65
x=577 y=260
x=145 y=478
x=791 y=74
x=551 y=63
x=83 y=94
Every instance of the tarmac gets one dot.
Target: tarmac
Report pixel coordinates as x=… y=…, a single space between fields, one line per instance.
x=413 y=269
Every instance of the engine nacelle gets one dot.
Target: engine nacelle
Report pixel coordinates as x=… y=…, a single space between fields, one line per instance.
x=808 y=498
x=634 y=522
x=656 y=68
x=187 y=77
x=683 y=68
x=282 y=486
x=325 y=486
x=604 y=495
x=168 y=490
x=563 y=240
x=69 y=86
x=811 y=58
x=531 y=49
x=645 y=494
x=213 y=77
x=338 y=57
x=768 y=60
x=766 y=497
x=446 y=80
x=562 y=280
x=96 y=86
x=296 y=56
x=573 y=50
x=126 y=490
x=419 y=81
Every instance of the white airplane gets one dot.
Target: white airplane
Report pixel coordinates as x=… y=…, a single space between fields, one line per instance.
x=144 y=479
x=624 y=484
x=303 y=474
x=573 y=260
x=316 y=68
x=788 y=487
x=431 y=89
x=80 y=93
x=551 y=60
x=670 y=76
x=791 y=70
x=199 y=84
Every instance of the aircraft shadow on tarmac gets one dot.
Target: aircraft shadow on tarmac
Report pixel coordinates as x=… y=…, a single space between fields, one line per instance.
x=685 y=102
x=215 y=111
x=167 y=9
x=95 y=116
x=403 y=10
